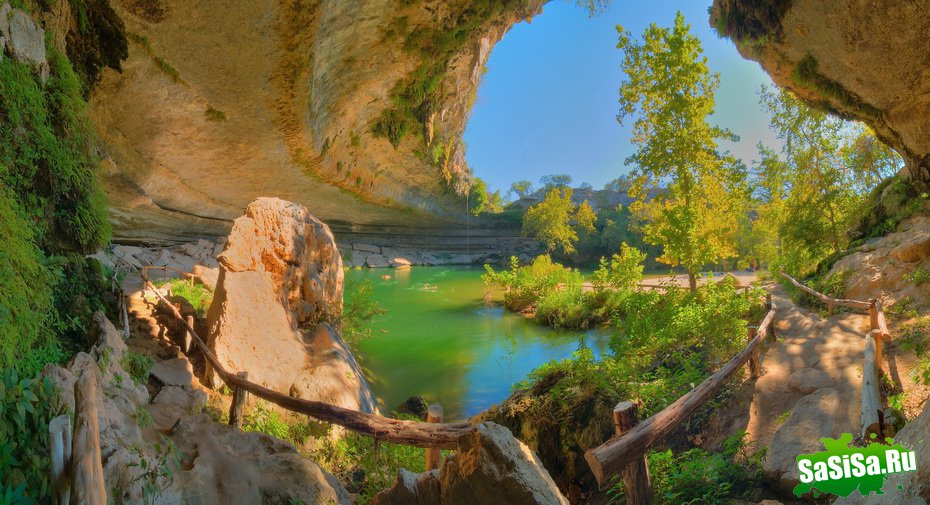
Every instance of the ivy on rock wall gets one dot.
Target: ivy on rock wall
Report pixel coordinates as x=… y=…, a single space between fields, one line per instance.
x=51 y=210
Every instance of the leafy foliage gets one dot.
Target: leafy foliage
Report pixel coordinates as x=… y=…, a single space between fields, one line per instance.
x=50 y=203
x=198 y=295
x=137 y=366
x=697 y=476
x=810 y=194
x=26 y=407
x=366 y=469
x=360 y=308
x=670 y=90
x=557 y=222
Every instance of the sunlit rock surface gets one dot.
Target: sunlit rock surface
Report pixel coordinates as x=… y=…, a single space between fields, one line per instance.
x=280 y=278
x=220 y=102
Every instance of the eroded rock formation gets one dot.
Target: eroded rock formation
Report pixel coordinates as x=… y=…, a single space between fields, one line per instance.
x=353 y=109
x=280 y=279
x=862 y=60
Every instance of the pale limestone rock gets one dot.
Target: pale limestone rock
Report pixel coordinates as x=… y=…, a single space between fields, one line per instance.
x=296 y=249
x=490 y=466
x=808 y=380
x=207 y=276
x=23 y=39
x=174 y=372
x=281 y=269
x=813 y=417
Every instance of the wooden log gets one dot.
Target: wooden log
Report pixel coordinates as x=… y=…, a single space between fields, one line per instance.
x=892 y=363
x=637 y=485
x=433 y=454
x=59 y=435
x=842 y=302
x=87 y=486
x=417 y=434
x=871 y=406
x=187 y=335
x=613 y=455
x=754 y=356
x=882 y=326
x=240 y=394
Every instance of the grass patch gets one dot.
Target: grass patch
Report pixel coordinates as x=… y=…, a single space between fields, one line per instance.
x=138 y=366
x=196 y=294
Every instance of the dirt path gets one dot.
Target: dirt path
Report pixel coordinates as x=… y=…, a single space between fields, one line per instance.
x=810 y=386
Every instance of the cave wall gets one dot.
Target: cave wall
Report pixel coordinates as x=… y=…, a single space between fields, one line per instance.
x=862 y=60
x=221 y=101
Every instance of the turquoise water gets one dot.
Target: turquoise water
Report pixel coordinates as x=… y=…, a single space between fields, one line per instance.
x=439 y=341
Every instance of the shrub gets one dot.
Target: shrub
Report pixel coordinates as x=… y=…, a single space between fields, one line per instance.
x=26 y=407
x=623 y=271
x=525 y=285
x=359 y=310
x=365 y=469
x=196 y=294
x=138 y=366
x=919 y=276
x=697 y=476
x=264 y=420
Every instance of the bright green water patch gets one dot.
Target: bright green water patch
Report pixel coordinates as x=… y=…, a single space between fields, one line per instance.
x=439 y=341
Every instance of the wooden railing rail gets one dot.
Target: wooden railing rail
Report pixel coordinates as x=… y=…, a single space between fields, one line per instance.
x=615 y=455
x=418 y=434
x=872 y=415
x=829 y=301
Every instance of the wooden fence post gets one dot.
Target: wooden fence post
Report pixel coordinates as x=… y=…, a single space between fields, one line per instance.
x=238 y=401
x=768 y=302
x=433 y=454
x=830 y=309
x=754 y=357
x=636 y=482
x=59 y=435
x=187 y=336
x=87 y=486
x=871 y=422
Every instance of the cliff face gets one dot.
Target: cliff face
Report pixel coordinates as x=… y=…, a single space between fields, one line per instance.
x=354 y=109
x=864 y=60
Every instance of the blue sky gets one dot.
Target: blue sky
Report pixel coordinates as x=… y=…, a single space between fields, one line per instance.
x=548 y=102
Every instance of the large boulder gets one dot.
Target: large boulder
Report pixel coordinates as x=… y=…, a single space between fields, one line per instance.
x=280 y=277
x=296 y=250
x=489 y=466
x=23 y=39
x=812 y=418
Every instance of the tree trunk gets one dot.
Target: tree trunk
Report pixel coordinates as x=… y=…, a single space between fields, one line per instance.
x=692 y=281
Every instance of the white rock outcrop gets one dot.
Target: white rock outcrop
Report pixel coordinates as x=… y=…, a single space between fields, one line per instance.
x=280 y=278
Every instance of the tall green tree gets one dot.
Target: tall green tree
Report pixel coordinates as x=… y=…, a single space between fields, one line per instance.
x=521 y=188
x=814 y=187
x=557 y=222
x=477 y=197
x=670 y=91
x=555 y=181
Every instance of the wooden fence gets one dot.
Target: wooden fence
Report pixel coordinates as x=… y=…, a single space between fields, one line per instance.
x=429 y=435
x=624 y=454
x=872 y=415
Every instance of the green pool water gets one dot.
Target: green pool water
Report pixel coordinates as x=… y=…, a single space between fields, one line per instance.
x=439 y=341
